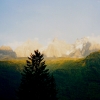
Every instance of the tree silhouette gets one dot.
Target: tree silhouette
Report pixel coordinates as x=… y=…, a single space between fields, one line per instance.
x=36 y=82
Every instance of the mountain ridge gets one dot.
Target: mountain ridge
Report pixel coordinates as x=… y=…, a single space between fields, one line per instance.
x=57 y=48
x=6 y=52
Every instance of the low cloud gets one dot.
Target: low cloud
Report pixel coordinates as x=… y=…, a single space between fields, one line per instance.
x=94 y=38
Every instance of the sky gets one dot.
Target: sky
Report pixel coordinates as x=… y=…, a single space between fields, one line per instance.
x=43 y=20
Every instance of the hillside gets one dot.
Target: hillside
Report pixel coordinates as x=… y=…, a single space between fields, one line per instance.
x=77 y=79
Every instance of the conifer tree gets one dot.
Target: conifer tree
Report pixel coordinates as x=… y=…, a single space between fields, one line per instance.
x=36 y=82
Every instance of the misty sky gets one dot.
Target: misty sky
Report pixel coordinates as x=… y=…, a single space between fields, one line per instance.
x=67 y=20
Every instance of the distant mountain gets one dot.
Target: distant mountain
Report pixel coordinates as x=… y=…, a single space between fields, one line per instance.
x=27 y=48
x=84 y=47
x=57 y=48
x=7 y=52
